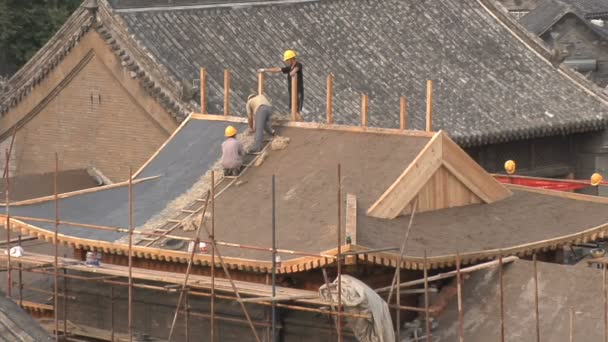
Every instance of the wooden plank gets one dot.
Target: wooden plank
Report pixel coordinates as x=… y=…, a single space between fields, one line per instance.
x=216 y=117
x=402 y=113
x=562 y=194
x=260 y=83
x=79 y=192
x=351 y=217
x=398 y=196
x=471 y=174
x=203 y=88
x=429 y=106
x=364 y=105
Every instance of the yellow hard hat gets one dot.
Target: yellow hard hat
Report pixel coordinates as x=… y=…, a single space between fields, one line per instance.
x=596 y=179
x=510 y=167
x=289 y=54
x=230 y=131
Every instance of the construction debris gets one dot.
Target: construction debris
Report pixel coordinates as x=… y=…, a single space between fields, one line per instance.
x=361 y=299
x=279 y=143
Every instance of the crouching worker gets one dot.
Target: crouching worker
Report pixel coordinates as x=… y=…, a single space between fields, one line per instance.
x=232 y=153
x=259 y=110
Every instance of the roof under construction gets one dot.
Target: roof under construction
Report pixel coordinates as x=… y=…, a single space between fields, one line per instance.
x=384 y=172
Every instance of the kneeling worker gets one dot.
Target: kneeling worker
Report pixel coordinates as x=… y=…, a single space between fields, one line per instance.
x=260 y=107
x=232 y=153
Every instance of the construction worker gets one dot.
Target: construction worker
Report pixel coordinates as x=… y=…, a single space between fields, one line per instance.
x=232 y=153
x=292 y=68
x=260 y=106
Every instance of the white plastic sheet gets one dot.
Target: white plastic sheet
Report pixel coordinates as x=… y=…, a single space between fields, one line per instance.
x=359 y=298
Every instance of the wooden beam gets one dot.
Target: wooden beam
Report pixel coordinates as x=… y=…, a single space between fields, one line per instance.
x=402 y=113
x=473 y=176
x=294 y=98
x=398 y=196
x=429 y=106
x=227 y=92
x=351 y=217
x=330 y=98
x=203 y=91
x=260 y=83
x=364 y=105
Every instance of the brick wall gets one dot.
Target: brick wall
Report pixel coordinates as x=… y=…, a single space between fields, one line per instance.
x=91 y=112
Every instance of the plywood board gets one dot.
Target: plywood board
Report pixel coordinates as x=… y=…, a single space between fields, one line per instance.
x=351 y=217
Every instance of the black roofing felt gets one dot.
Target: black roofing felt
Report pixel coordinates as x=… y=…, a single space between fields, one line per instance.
x=489 y=86
x=180 y=164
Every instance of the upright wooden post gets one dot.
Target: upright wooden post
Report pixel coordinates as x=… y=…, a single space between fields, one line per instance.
x=203 y=91
x=227 y=92
x=537 y=315
x=429 y=106
x=402 y=113
x=364 y=110
x=459 y=293
x=7 y=184
x=260 y=83
x=330 y=99
x=294 y=98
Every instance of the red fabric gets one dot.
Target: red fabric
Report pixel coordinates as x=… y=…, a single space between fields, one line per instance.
x=542 y=183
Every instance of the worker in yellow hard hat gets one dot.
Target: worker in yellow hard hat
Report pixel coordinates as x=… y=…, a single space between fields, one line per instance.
x=292 y=68
x=232 y=153
x=260 y=107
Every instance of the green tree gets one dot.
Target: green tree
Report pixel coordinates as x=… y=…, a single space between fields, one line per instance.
x=26 y=25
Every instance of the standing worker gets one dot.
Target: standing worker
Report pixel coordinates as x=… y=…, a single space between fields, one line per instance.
x=259 y=106
x=232 y=153
x=292 y=68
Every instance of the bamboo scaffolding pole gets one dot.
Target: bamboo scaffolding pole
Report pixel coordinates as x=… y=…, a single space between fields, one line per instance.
x=294 y=98
x=536 y=312
x=213 y=245
x=398 y=301
x=364 y=107
x=459 y=294
x=65 y=304
x=331 y=299
x=426 y=299
x=227 y=92
x=329 y=109
x=189 y=267
x=227 y=273
x=403 y=249
x=501 y=297
x=8 y=225
x=260 y=83
x=130 y=309
x=402 y=113
x=47 y=292
x=605 y=293
x=274 y=264
x=450 y=274
x=187 y=316
x=112 y=312
x=429 y=106
x=571 y=324
x=203 y=91
x=20 y=276
x=56 y=245
x=169 y=236
x=339 y=260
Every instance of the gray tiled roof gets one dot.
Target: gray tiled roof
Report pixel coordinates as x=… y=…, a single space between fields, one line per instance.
x=489 y=86
x=17 y=325
x=549 y=12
